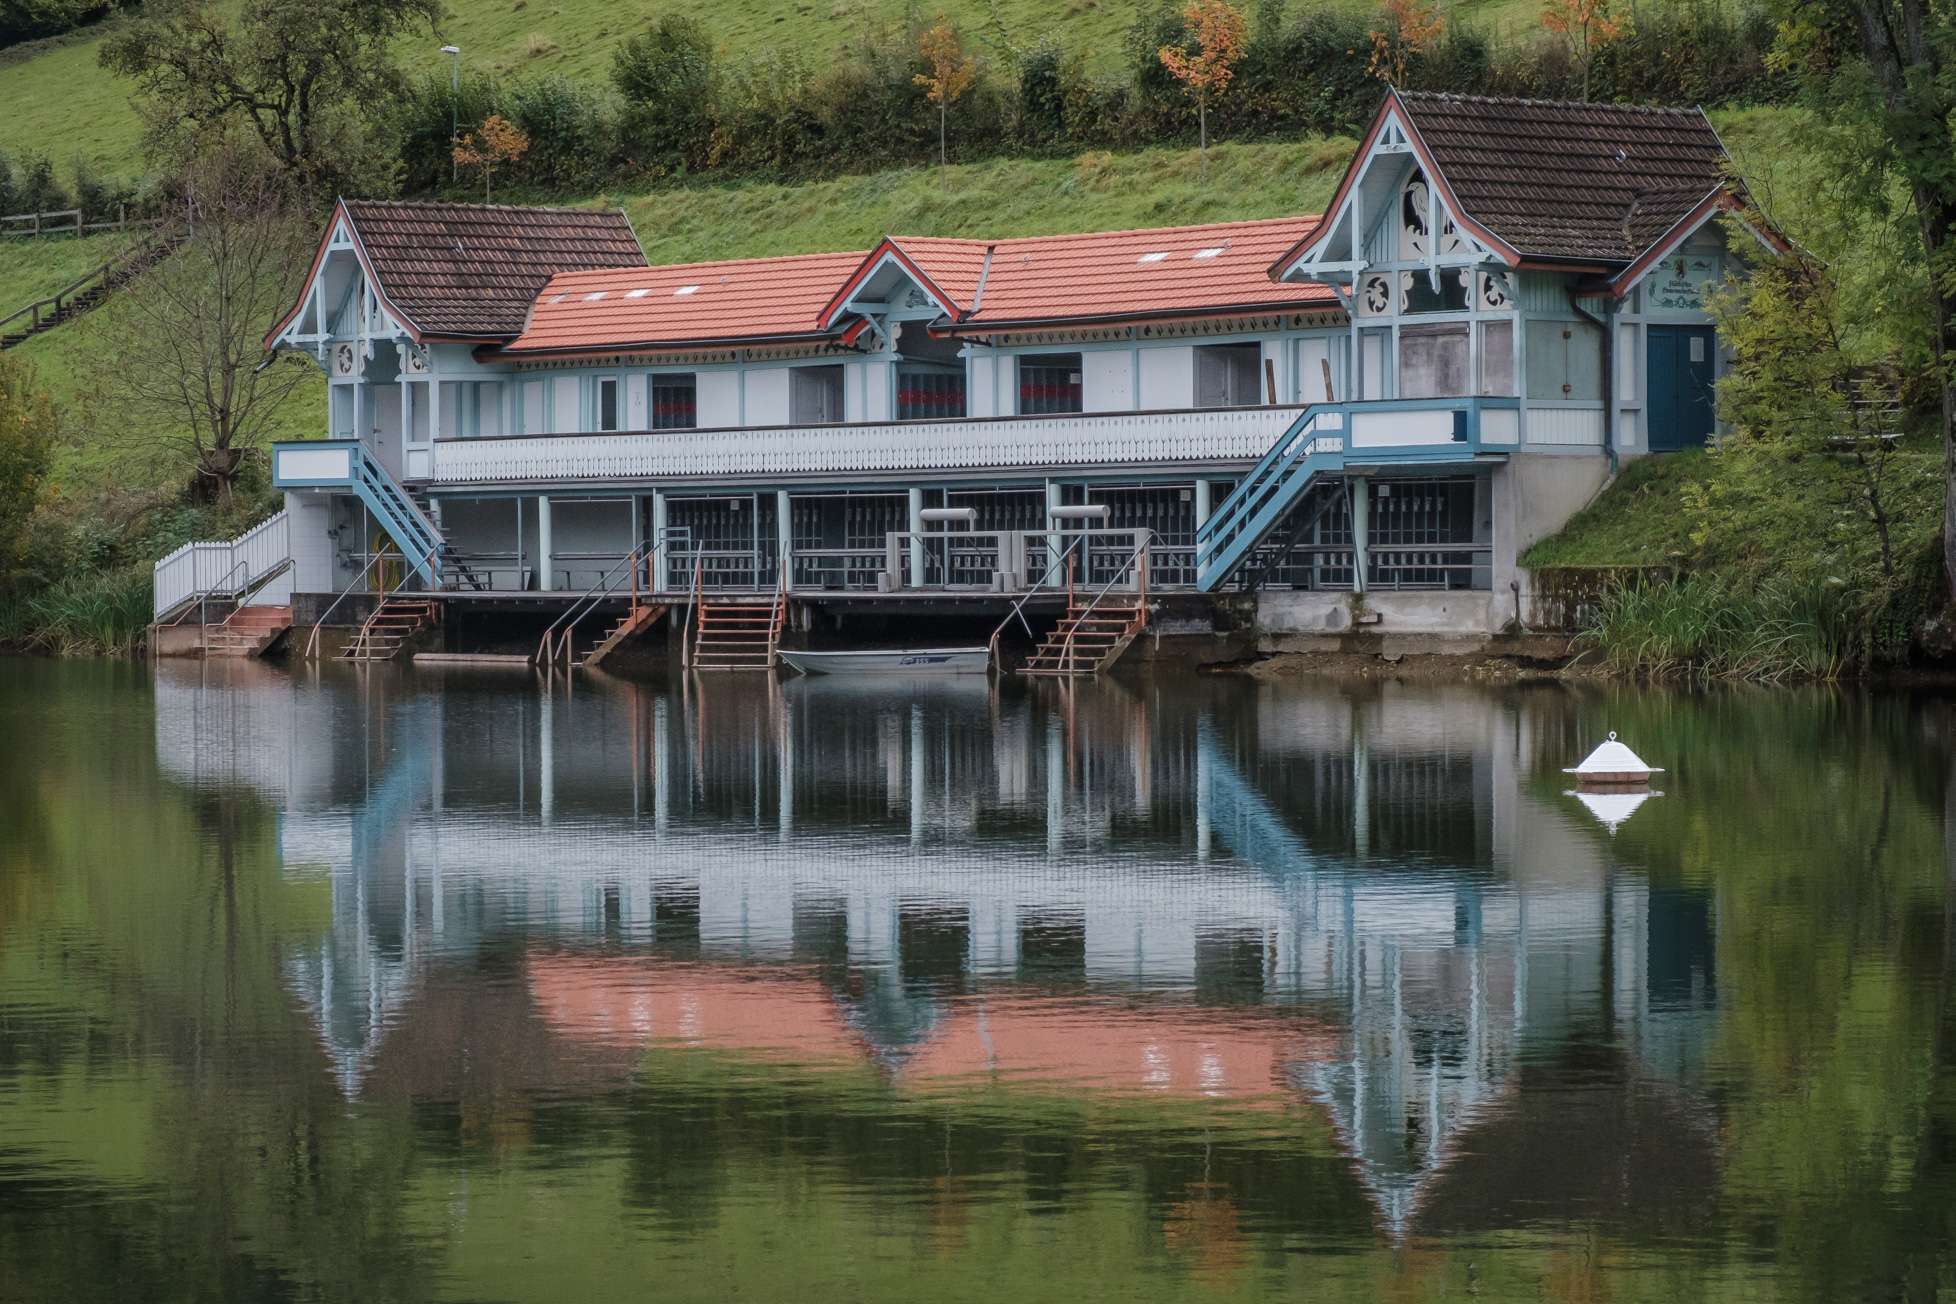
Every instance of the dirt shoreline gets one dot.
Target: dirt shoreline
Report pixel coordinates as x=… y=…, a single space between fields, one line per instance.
x=1489 y=666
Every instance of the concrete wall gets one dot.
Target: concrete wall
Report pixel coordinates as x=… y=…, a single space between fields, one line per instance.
x=1534 y=496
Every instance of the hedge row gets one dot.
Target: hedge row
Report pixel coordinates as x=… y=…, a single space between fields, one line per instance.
x=670 y=109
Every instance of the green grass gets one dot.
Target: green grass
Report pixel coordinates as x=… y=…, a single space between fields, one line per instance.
x=34 y=267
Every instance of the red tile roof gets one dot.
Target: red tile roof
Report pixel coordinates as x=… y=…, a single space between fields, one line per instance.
x=1040 y=281
x=684 y=304
x=471 y=270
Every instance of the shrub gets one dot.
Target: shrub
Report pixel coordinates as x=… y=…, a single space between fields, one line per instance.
x=36 y=190
x=572 y=129
x=667 y=79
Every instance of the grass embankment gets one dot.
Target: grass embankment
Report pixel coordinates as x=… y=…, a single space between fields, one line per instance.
x=1765 y=566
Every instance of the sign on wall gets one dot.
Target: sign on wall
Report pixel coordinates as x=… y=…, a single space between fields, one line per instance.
x=1680 y=282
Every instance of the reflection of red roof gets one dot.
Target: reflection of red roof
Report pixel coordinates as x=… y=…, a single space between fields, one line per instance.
x=685 y=303
x=1083 y=1040
x=1220 y=269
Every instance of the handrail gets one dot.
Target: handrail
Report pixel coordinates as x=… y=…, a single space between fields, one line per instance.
x=312 y=640
x=100 y=272
x=203 y=595
x=1305 y=418
x=587 y=603
x=1018 y=608
x=1134 y=558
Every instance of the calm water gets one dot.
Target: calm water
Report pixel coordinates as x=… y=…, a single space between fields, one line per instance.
x=409 y=986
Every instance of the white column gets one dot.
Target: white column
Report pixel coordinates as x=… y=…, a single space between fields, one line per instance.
x=916 y=538
x=545 y=562
x=784 y=532
x=1202 y=502
x=659 y=540
x=1361 y=496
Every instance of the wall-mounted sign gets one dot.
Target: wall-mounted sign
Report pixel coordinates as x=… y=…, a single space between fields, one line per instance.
x=1678 y=284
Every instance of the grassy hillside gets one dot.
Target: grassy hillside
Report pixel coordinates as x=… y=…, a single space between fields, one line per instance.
x=55 y=98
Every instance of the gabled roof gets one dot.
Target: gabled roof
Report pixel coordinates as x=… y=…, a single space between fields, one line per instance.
x=471 y=270
x=1564 y=180
x=684 y=305
x=1547 y=180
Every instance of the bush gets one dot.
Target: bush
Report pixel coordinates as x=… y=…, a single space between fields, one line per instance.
x=573 y=131
x=425 y=121
x=666 y=76
x=36 y=189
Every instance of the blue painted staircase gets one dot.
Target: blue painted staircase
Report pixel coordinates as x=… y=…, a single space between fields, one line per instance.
x=345 y=464
x=1325 y=438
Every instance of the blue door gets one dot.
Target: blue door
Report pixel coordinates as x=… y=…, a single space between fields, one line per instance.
x=1680 y=407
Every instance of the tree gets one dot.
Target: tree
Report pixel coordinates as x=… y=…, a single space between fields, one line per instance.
x=1412 y=28
x=1794 y=388
x=1586 y=25
x=497 y=141
x=951 y=73
x=1221 y=36
x=302 y=74
x=182 y=358
x=667 y=78
x=27 y=425
x=1892 y=65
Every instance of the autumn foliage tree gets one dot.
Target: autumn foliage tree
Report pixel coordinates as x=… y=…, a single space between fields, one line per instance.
x=495 y=142
x=951 y=73
x=1586 y=26
x=1220 y=35
x=1412 y=27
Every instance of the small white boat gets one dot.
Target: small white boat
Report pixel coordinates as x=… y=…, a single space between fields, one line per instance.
x=893 y=661
x=1613 y=766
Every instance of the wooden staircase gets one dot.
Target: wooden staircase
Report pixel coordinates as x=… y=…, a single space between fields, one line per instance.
x=1090 y=637
x=72 y=300
x=634 y=622
x=737 y=635
x=246 y=632
x=384 y=633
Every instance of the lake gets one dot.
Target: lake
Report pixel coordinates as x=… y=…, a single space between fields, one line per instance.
x=461 y=986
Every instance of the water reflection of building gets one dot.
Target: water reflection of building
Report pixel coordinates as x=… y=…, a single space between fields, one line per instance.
x=1359 y=902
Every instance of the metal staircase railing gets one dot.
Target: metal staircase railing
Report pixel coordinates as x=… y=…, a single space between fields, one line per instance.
x=312 y=640
x=555 y=645
x=399 y=514
x=1262 y=498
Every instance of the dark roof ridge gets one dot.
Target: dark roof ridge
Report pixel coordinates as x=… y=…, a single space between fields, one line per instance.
x=486 y=208
x=1692 y=111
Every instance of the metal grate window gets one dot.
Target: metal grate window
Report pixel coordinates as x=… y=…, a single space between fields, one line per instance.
x=928 y=394
x=675 y=402
x=1050 y=382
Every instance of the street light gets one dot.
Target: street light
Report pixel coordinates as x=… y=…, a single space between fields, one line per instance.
x=454 y=52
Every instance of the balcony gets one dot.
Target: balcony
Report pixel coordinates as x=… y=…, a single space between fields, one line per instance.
x=1035 y=443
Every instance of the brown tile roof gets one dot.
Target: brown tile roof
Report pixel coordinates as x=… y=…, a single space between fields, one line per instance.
x=685 y=304
x=473 y=269
x=1565 y=180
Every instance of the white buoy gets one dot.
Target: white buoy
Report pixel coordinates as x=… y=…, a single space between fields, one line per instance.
x=1612 y=765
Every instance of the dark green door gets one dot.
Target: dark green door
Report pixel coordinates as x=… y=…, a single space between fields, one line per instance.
x=1680 y=387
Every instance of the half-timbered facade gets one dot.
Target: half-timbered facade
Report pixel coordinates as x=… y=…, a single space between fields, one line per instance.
x=1395 y=398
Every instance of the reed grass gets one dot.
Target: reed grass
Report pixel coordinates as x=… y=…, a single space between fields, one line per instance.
x=1700 y=627
x=100 y=613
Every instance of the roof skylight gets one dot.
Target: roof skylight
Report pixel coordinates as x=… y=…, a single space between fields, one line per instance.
x=594 y=296
x=1154 y=257
x=1212 y=251
x=685 y=290
x=639 y=293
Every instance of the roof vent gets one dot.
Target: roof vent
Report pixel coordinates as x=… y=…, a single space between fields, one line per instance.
x=639 y=293
x=1622 y=154
x=1213 y=251
x=685 y=290
x=1154 y=257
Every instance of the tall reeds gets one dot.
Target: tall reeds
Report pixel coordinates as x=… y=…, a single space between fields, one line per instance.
x=1697 y=627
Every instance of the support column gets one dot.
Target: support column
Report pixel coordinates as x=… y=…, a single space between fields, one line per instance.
x=658 y=541
x=1360 y=489
x=916 y=538
x=545 y=561
x=1202 y=502
x=784 y=533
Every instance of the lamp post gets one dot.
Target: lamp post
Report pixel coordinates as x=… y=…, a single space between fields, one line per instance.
x=454 y=53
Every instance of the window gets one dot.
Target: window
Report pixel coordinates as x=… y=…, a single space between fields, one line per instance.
x=1450 y=297
x=1226 y=375
x=1498 y=358
x=815 y=395
x=1050 y=382
x=607 y=402
x=675 y=402
x=1565 y=360
x=1433 y=361
x=924 y=393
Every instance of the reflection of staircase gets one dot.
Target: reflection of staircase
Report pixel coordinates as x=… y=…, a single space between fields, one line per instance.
x=73 y=300
x=246 y=632
x=1090 y=638
x=628 y=626
x=385 y=632
x=737 y=635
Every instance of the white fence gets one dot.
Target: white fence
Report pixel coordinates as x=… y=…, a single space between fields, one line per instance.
x=228 y=568
x=1071 y=440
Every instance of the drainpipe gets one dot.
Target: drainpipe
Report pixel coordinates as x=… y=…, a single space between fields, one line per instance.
x=1608 y=324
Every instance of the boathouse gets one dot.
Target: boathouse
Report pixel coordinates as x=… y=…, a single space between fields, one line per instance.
x=1369 y=413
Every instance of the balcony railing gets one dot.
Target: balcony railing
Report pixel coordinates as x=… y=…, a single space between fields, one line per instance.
x=1205 y=435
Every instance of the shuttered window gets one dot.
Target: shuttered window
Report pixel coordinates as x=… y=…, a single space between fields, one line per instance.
x=1226 y=375
x=815 y=395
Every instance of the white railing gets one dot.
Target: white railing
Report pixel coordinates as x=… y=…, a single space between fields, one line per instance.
x=978 y=443
x=224 y=568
